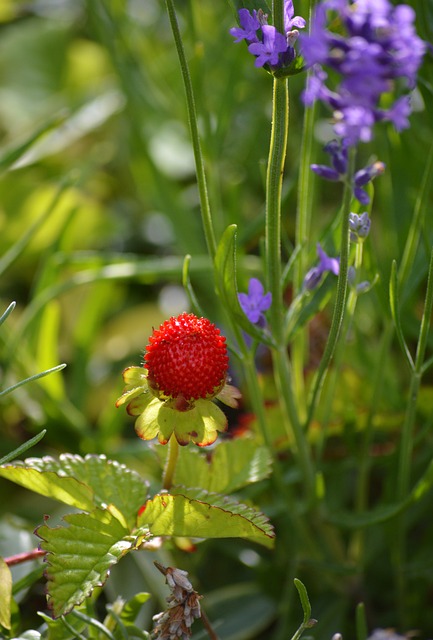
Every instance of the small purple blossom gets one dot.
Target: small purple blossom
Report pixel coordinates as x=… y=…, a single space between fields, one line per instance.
x=270 y=47
x=249 y=25
x=326 y=264
x=337 y=172
x=375 y=51
x=255 y=302
x=268 y=51
x=363 y=177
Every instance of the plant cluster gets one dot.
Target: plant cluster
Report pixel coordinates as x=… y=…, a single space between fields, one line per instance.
x=303 y=469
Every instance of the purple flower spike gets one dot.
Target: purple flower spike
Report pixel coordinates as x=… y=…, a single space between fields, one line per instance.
x=375 y=51
x=255 y=302
x=326 y=263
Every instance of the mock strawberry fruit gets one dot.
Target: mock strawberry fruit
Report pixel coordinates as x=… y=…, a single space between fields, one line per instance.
x=185 y=368
x=186 y=358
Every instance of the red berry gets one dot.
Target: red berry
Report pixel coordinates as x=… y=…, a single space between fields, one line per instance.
x=186 y=358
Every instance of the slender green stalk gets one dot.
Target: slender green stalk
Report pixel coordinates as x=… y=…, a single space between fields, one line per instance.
x=170 y=465
x=304 y=211
x=277 y=15
x=406 y=443
x=414 y=231
x=274 y=179
x=282 y=367
x=340 y=301
x=192 y=118
x=357 y=545
x=406 y=446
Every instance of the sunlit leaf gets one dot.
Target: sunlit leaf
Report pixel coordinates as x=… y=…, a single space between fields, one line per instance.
x=203 y=515
x=5 y=595
x=79 y=555
x=82 y=482
x=231 y=465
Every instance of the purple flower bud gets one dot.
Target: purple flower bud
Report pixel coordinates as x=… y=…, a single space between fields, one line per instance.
x=326 y=263
x=325 y=172
x=359 y=226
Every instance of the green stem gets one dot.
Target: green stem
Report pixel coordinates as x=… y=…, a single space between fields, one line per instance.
x=170 y=465
x=274 y=179
x=299 y=345
x=406 y=443
x=282 y=367
x=340 y=301
x=192 y=118
x=357 y=545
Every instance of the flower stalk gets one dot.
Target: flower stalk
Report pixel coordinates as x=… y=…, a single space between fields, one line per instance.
x=284 y=381
x=341 y=296
x=193 y=124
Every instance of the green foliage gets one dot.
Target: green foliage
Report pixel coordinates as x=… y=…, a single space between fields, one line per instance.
x=204 y=515
x=232 y=465
x=98 y=209
x=81 y=552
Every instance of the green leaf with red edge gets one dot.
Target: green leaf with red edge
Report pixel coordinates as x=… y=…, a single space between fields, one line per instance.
x=199 y=514
x=80 y=555
x=85 y=483
x=231 y=465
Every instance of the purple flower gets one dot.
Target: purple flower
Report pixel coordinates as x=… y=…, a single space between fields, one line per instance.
x=375 y=51
x=337 y=173
x=270 y=47
x=363 y=177
x=255 y=302
x=290 y=20
x=326 y=264
x=268 y=51
x=249 y=26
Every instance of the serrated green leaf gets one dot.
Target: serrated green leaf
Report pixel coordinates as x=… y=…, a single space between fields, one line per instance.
x=203 y=515
x=5 y=595
x=49 y=484
x=85 y=483
x=79 y=555
x=231 y=465
x=226 y=283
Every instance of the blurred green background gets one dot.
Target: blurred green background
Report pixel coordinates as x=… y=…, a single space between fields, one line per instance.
x=99 y=205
